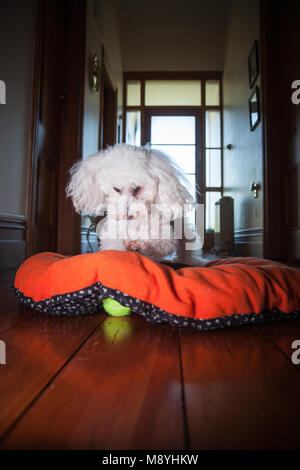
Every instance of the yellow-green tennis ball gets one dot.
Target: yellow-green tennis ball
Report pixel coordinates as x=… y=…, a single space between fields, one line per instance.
x=114 y=308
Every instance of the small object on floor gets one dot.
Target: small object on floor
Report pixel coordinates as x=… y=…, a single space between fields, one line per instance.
x=114 y=308
x=117 y=329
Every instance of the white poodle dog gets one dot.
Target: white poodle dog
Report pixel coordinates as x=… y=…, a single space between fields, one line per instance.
x=141 y=192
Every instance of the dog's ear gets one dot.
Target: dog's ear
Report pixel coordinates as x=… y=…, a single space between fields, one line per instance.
x=84 y=187
x=173 y=189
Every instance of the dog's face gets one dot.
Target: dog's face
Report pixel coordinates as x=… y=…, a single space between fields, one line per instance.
x=129 y=194
x=126 y=181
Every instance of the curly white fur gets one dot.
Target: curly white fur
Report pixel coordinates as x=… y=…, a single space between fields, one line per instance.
x=140 y=190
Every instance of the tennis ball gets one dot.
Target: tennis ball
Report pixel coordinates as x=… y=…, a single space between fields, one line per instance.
x=114 y=308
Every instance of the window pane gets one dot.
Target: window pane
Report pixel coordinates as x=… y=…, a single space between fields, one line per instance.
x=213 y=129
x=173 y=130
x=253 y=109
x=212 y=93
x=213 y=168
x=210 y=199
x=183 y=155
x=133 y=127
x=134 y=93
x=173 y=93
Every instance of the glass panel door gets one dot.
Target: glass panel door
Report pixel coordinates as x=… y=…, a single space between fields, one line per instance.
x=177 y=135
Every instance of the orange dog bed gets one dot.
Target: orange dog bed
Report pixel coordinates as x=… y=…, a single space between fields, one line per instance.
x=224 y=293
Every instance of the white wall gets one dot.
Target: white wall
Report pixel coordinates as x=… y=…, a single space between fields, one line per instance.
x=102 y=29
x=91 y=100
x=110 y=33
x=243 y=163
x=17 y=28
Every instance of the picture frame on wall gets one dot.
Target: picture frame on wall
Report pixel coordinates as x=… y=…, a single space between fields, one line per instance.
x=254 y=108
x=253 y=64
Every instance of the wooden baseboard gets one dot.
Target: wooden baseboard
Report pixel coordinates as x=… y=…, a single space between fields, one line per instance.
x=12 y=240
x=249 y=241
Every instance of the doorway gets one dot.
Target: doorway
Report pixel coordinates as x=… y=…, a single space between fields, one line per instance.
x=180 y=114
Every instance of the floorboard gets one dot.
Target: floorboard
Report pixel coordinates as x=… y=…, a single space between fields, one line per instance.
x=282 y=335
x=122 y=390
x=122 y=383
x=240 y=391
x=36 y=349
x=12 y=311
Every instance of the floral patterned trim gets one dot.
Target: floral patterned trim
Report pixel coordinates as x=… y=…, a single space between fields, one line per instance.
x=88 y=301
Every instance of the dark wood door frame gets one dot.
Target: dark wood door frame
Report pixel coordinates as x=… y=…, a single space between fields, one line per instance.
x=72 y=98
x=270 y=87
x=68 y=222
x=34 y=119
x=108 y=105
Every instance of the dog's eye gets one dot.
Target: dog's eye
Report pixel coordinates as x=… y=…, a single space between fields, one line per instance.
x=117 y=190
x=136 y=190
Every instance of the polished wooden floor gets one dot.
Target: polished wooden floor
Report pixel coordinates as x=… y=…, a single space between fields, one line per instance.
x=106 y=383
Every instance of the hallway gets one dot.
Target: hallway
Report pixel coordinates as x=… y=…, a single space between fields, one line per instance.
x=209 y=83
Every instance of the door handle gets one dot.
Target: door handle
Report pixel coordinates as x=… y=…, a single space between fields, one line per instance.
x=254 y=188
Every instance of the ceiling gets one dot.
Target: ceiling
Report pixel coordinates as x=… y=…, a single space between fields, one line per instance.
x=172 y=34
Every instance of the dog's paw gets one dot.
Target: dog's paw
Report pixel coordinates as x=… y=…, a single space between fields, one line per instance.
x=146 y=246
x=132 y=245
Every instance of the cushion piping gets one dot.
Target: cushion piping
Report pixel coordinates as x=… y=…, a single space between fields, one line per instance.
x=87 y=301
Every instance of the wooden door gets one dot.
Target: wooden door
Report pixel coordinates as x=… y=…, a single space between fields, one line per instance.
x=57 y=125
x=290 y=126
x=280 y=50
x=51 y=18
